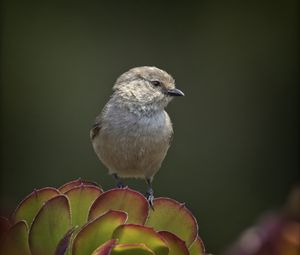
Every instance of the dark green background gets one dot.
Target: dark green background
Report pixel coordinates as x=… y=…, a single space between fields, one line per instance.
x=235 y=149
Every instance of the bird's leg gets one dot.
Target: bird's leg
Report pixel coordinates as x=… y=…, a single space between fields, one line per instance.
x=150 y=193
x=119 y=182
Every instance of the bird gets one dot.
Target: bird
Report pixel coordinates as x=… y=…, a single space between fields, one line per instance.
x=133 y=132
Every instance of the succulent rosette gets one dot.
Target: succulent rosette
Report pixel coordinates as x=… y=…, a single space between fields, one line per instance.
x=79 y=218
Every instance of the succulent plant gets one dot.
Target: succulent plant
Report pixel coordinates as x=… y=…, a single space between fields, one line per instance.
x=79 y=218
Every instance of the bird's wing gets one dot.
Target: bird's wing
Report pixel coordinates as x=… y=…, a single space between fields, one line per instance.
x=96 y=128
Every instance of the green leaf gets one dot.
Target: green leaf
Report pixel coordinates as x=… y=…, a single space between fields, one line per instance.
x=175 y=244
x=132 y=249
x=171 y=216
x=76 y=230
x=81 y=198
x=64 y=243
x=126 y=200
x=50 y=225
x=97 y=232
x=105 y=249
x=16 y=240
x=197 y=247
x=29 y=207
x=72 y=184
x=133 y=234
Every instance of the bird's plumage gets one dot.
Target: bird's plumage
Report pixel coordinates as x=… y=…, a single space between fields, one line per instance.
x=132 y=134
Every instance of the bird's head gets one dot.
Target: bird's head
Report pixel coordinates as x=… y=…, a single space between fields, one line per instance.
x=146 y=86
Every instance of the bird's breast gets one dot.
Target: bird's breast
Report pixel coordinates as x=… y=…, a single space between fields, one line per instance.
x=132 y=144
x=138 y=126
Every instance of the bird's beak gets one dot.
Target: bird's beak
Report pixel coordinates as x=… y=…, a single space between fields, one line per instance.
x=175 y=92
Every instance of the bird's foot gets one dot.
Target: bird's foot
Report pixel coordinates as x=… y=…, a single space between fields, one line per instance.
x=120 y=185
x=150 y=198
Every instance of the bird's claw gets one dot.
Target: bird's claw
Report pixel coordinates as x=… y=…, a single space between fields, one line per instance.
x=150 y=198
x=120 y=185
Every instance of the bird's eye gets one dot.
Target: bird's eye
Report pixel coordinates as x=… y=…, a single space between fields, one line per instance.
x=156 y=83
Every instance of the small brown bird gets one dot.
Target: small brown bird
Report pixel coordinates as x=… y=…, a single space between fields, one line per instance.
x=132 y=134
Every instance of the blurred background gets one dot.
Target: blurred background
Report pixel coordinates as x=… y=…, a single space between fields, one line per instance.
x=236 y=144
